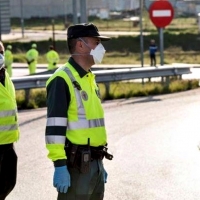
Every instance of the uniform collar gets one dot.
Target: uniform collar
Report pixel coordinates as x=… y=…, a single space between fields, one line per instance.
x=77 y=67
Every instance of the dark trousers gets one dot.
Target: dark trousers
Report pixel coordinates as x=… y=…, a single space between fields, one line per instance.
x=8 y=170
x=153 y=59
x=87 y=186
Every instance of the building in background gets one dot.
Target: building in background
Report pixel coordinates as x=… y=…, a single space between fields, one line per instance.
x=186 y=8
x=42 y=8
x=4 y=17
x=52 y=8
x=98 y=8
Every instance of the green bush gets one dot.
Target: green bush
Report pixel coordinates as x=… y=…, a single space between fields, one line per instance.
x=28 y=99
x=20 y=97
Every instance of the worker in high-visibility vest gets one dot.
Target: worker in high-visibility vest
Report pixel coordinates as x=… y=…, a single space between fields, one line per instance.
x=32 y=57
x=9 y=59
x=9 y=131
x=75 y=130
x=52 y=58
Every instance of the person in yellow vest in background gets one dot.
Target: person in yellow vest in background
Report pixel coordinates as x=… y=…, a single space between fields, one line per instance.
x=9 y=59
x=52 y=58
x=32 y=57
x=9 y=131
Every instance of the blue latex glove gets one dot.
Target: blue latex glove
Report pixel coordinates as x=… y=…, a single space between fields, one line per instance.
x=61 y=179
x=105 y=175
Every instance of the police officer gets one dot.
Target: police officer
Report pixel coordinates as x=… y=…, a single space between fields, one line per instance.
x=9 y=131
x=75 y=131
x=9 y=59
x=32 y=57
x=52 y=58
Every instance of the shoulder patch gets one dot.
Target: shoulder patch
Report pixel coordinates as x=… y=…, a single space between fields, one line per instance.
x=84 y=95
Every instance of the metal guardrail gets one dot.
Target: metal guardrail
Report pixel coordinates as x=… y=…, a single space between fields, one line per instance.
x=105 y=76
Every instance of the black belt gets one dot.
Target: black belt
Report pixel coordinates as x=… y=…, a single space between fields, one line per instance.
x=96 y=152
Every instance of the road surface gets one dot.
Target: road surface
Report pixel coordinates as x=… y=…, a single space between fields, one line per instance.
x=39 y=35
x=154 y=141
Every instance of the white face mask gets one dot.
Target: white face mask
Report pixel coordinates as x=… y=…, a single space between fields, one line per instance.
x=97 y=53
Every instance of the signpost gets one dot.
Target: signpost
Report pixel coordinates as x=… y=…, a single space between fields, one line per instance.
x=161 y=13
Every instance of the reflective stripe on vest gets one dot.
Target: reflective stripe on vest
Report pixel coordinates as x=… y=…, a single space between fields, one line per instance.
x=8 y=127
x=83 y=123
x=8 y=113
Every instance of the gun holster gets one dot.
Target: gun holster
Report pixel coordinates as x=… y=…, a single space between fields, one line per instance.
x=107 y=154
x=78 y=157
x=71 y=153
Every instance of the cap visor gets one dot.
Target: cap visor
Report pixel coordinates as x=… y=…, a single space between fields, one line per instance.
x=103 y=38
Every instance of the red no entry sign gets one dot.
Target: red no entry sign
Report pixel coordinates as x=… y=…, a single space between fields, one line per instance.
x=161 y=13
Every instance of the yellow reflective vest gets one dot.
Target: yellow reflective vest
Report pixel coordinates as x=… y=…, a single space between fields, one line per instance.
x=9 y=130
x=8 y=61
x=52 y=59
x=85 y=114
x=32 y=55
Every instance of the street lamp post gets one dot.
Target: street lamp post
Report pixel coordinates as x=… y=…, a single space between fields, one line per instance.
x=53 y=32
x=141 y=34
x=53 y=24
x=83 y=11
x=65 y=13
x=22 y=17
x=75 y=19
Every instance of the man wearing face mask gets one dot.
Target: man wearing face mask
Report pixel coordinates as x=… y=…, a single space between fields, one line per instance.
x=75 y=130
x=9 y=131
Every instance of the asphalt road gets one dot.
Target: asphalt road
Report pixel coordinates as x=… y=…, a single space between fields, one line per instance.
x=39 y=35
x=154 y=141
